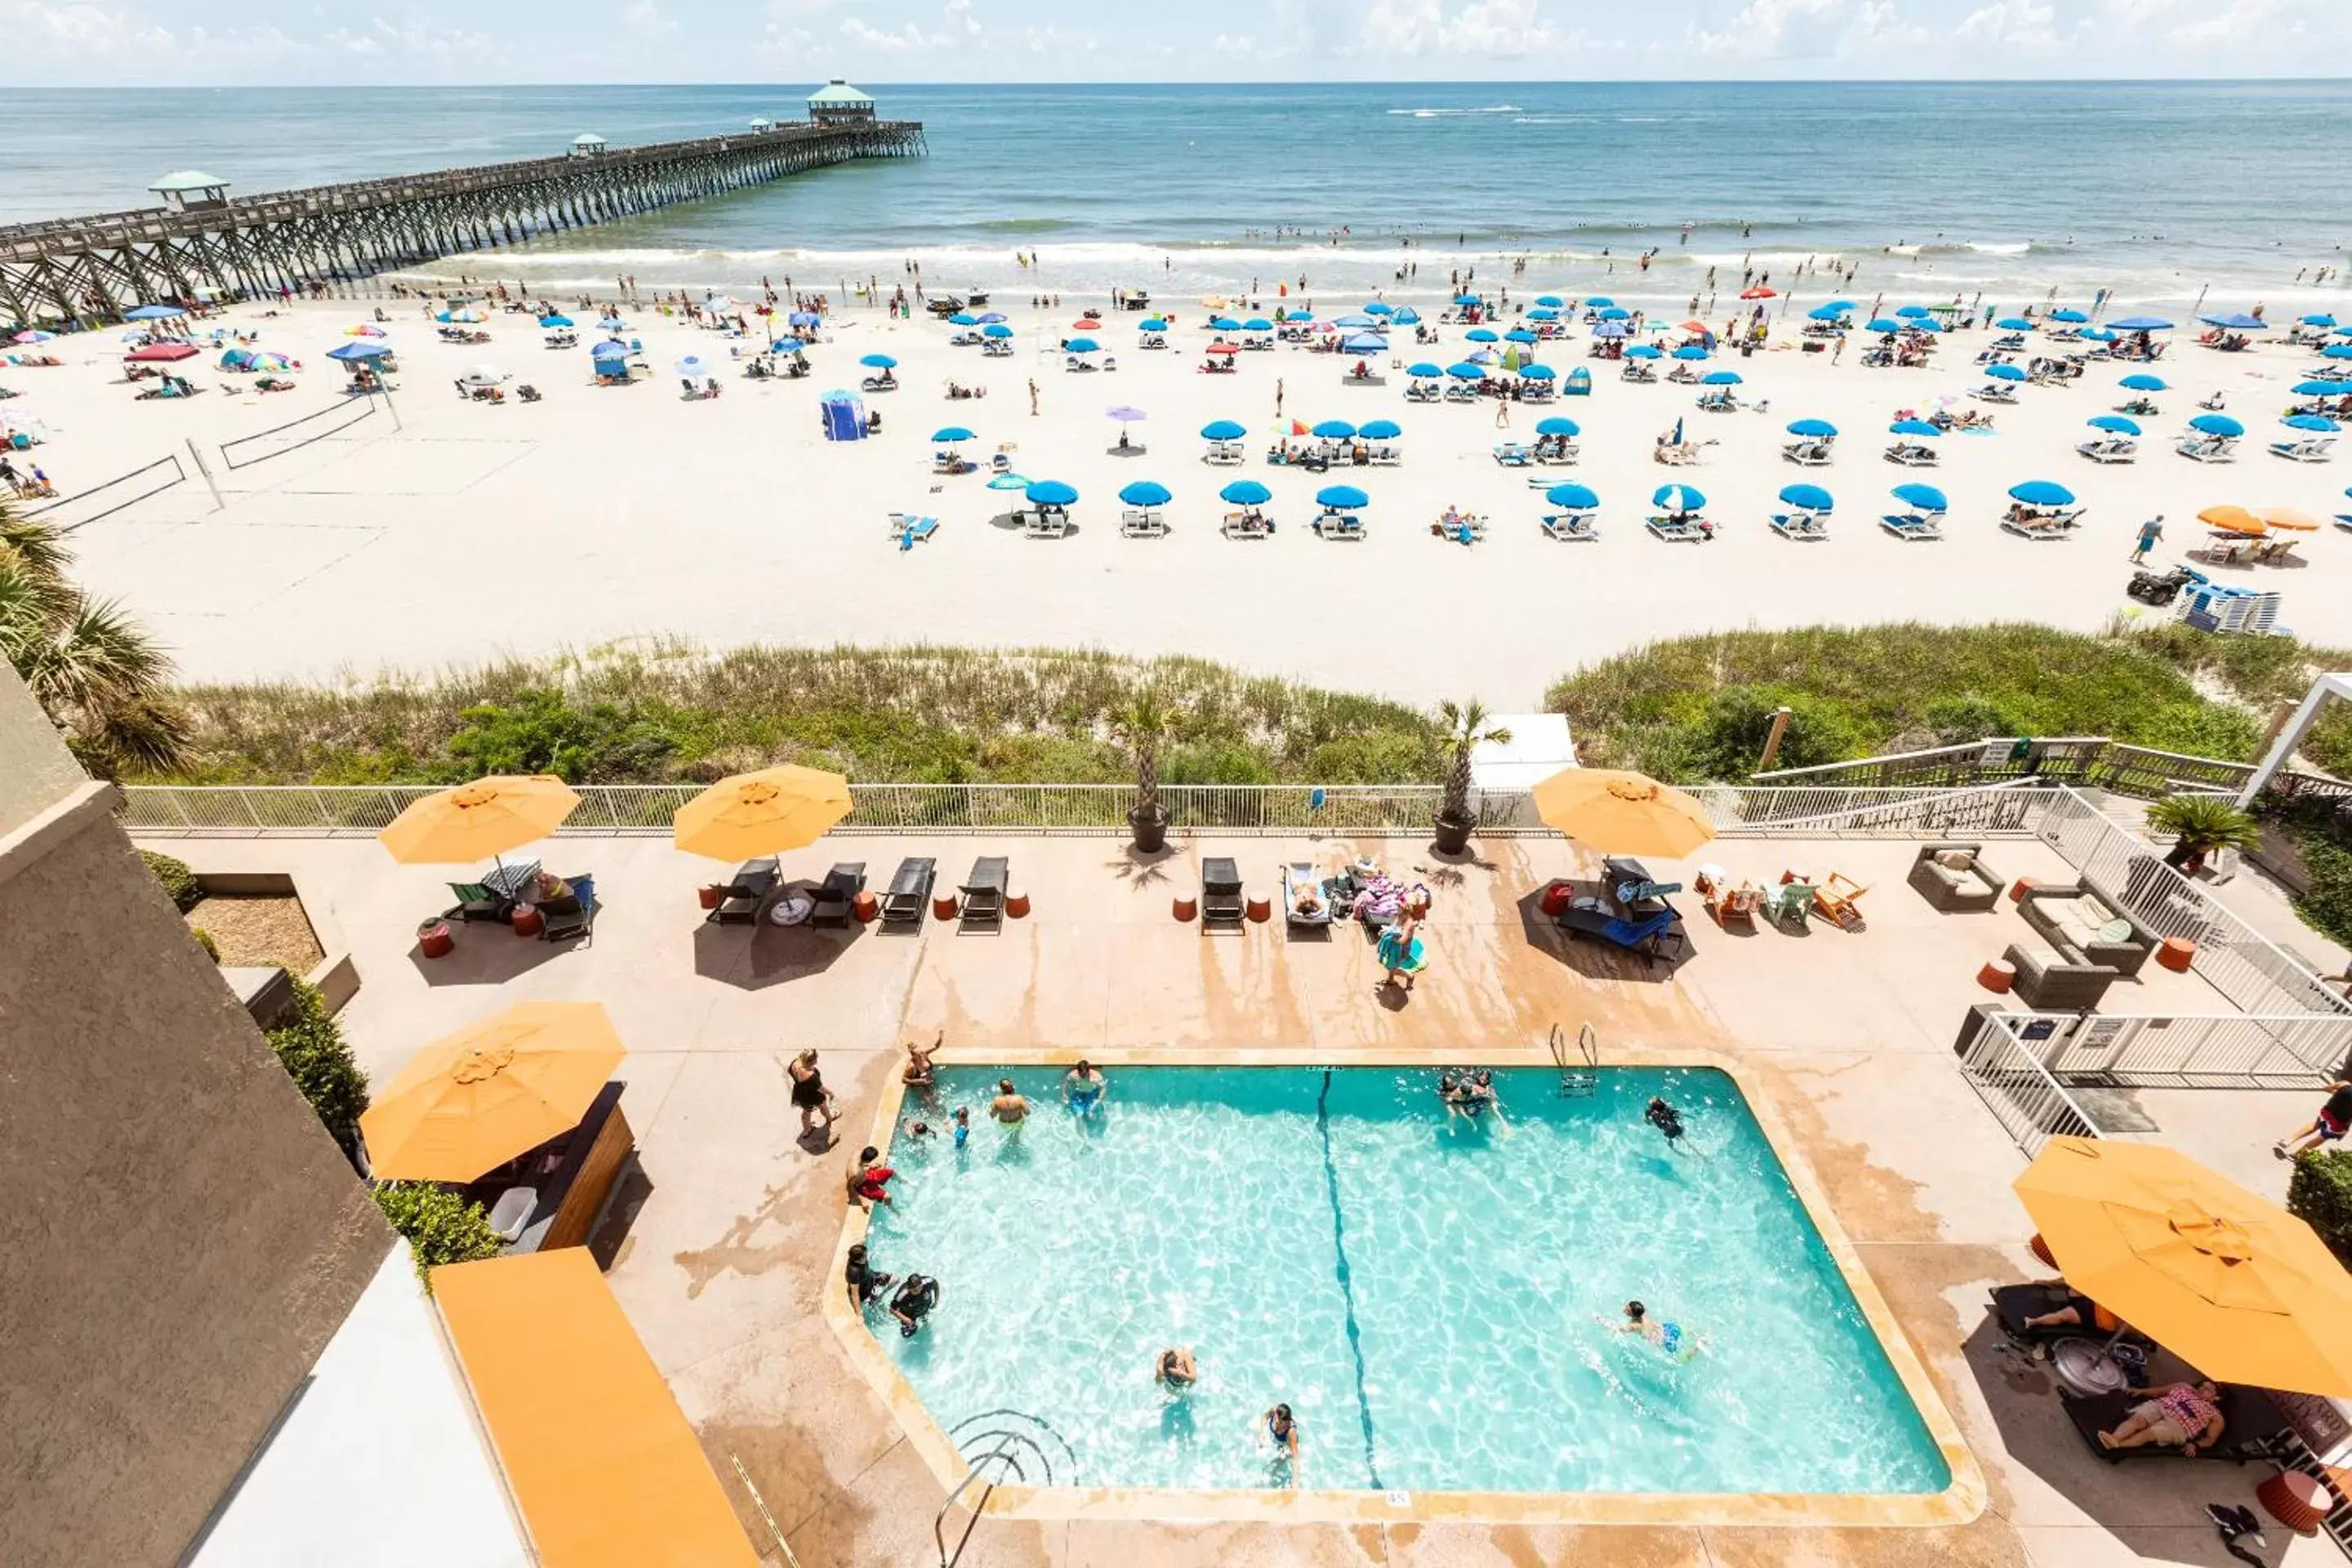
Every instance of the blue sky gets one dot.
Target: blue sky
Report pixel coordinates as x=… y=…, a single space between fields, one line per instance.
x=91 y=43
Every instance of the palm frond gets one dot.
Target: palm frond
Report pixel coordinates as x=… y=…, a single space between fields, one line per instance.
x=38 y=546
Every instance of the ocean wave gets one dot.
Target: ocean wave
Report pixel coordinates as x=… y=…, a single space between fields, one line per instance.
x=1458 y=113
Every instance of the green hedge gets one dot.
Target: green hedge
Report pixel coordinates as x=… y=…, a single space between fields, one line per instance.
x=441 y=1226
x=178 y=880
x=310 y=1047
x=2320 y=1193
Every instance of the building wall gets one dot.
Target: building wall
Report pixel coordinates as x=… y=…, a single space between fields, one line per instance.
x=180 y=1237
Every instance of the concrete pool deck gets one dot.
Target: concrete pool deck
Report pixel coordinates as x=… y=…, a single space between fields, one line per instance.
x=723 y=1254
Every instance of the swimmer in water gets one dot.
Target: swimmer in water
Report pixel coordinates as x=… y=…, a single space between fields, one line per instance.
x=963 y=1125
x=1666 y=1120
x=1667 y=1335
x=1083 y=1088
x=1282 y=1431
x=1010 y=1109
x=1176 y=1369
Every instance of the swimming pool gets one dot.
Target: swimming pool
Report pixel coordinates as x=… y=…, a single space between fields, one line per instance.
x=1422 y=1292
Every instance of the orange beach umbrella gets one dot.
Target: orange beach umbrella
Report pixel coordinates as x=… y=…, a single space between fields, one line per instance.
x=1622 y=813
x=2293 y=518
x=489 y=816
x=471 y=1102
x=2230 y=520
x=2224 y=1278
x=763 y=812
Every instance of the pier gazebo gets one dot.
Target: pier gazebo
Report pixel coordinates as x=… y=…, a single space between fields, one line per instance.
x=191 y=191
x=838 y=104
x=588 y=144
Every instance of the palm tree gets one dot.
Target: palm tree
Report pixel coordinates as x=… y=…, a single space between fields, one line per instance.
x=1144 y=725
x=2200 y=823
x=98 y=676
x=1466 y=726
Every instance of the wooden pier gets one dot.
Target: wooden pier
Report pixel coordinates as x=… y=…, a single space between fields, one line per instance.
x=92 y=268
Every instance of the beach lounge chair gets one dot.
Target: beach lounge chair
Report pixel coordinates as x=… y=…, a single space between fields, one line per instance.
x=476 y=903
x=1340 y=525
x=2208 y=448
x=1800 y=525
x=908 y=898
x=2310 y=449
x=1459 y=527
x=984 y=892
x=1787 y=903
x=740 y=900
x=1912 y=455
x=1512 y=455
x=1382 y=456
x=2111 y=449
x=1045 y=522
x=1807 y=454
x=1682 y=528
x=1462 y=392
x=1645 y=924
x=838 y=893
x=2013 y=1304
x=1250 y=525
x=1304 y=901
x=1143 y=522
x=1220 y=894
x=1224 y=454
x=1569 y=526
x=1914 y=524
x=571 y=917
x=909 y=529
x=2042 y=525
x=1717 y=401
x=1423 y=392
x=1837 y=900
x=1995 y=392
x=2252 y=1426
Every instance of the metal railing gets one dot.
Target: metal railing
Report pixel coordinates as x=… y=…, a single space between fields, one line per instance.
x=2222 y=1050
x=2091 y=760
x=2030 y=1106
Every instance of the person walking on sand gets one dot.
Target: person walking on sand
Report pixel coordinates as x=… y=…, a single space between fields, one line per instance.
x=1278 y=397
x=1032 y=397
x=2149 y=533
x=1837 y=351
x=1501 y=413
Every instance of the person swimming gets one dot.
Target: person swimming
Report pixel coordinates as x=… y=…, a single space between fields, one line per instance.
x=1665 y=1333
x=918 y=1294
x=1666 y=1120
x=1176 y=1369
x=1083 y=1088
x=963 y=1125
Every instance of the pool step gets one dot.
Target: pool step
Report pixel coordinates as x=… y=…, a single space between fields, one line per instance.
x=1577 y=1082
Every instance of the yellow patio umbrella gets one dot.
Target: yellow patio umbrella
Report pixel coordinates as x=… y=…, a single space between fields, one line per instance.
x=486 y=818
x=763 y=813
x=1622 y=813
x=2225 y=1279
x=470 y=1102
x=2232 y=519
x=2293 y=518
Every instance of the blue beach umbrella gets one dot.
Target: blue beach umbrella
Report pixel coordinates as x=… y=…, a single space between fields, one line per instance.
x=1246 y=492
x=1616 y=313
x=1465 y=371
x=2235 y=321
x=786 y=346
x=2142 y=382
x=1144 y=492
x=1926 y=497
x=1720 y=378
x=1911 y=312
x=1257 y=324
x=1583 y=497
x=1223 y=430
x=154 y=313
x=1543 y=313
x=1083 y=346
x=2309 y=422
x=2217 y=425
x=1645 y=351
x=1480 y=334
x=1465 y=299
x=1548 y=301
x=1378 y=308
x=555 y=322
x=1151 y=324
x=2015 y=324
x=1518 y=335
x=2099 y=335
x=1692 y=352
x=1611 y=330
x=1223 y=324
x=2322 y=319
x=1424 y=368
x=1677 y=498
x=1334 y=430
x=996 y=329
x=2005 y=372
x=1817 y=428
x=878 y=362
x=1341 y=497
x=1537 y=372
x=1380 y=430
x=2336 y=351
x=1926 y=325
x=1051 y=492
x=2042 y=492
x=951 y=433
x=2141 y=324
x=1883 y=324
x=1600 y=302
x=2068 y=315
x=2114 y=421
x=611 y=349
x=364 y=349
x=1008 y=481
x=1825 y=313
x=1914 y=427
x=803 y=318
x=963 y=319
x=1812 y=497
x=611 y=324
x=1558 y=425
x=990 y=318
x=1837 y=305
x=2318 y=389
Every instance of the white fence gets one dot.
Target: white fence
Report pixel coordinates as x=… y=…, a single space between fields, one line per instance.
x=2030 y=1105
x=2215 y=1050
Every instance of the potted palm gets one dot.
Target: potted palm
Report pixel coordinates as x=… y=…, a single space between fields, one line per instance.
x=2200 y=823
x=1465 y=727
x=1143 y=726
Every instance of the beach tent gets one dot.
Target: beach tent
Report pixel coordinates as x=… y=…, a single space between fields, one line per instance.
x=1364 y=344
x=843 y=416
x=1405 y=317
x=2235 y=321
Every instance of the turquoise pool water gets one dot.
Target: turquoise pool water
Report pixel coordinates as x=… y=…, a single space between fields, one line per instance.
x=1422 y=1293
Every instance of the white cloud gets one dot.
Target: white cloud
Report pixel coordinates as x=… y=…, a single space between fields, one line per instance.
x=1233 y=44
x=1497 y=27
x=2011 y=24
x=959 y=29
x=1808 y=29
x=960 y=20
x=647 y=19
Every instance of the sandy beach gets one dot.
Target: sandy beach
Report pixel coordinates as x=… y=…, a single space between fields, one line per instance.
x=602 y=514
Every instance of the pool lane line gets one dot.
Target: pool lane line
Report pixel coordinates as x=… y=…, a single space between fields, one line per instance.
x=1347 y=1283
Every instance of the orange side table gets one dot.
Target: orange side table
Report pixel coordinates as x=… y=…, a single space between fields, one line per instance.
x=865 y=907
x=1998 y=975
x=1260 y=909
x=2300 y=1502
x=2176 y=954
x=527 y=921
x=2023 y=885
x=1186 y=906
x=1016 y=904
x=943 y=907
x=433 y=939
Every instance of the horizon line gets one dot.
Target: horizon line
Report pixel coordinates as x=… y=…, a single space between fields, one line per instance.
x=1620 y=80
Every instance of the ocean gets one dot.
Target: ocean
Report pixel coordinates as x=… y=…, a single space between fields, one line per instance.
x=2164 y=194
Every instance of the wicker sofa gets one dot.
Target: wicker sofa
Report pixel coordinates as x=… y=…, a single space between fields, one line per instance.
x=2069 y=916
x=1973 y=886
x=2052 y=982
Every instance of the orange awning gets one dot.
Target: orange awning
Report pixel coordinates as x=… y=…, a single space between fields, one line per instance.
x=600 y=1459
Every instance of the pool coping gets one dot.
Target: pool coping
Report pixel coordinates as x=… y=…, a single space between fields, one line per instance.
x=1960 y=1501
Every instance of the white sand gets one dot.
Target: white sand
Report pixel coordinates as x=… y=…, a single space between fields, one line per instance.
x=603 y=514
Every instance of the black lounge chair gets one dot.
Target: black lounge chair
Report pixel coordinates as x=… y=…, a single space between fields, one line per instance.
x=841 y=886
x=2253 y=1427
x=909 y=898
x=984 y=892
x=739 y=900
x=1221 y=893
x=476 y=903
x=573 y=916
x=2013 y=1304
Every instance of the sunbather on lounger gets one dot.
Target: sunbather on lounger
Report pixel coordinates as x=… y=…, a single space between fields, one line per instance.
x=2173 y=1416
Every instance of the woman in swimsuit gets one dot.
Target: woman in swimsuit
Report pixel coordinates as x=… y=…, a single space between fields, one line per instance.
x=1400 y=953
x=1083 y=1088
x=918 y=1072
x=1282 y=1431
x=810 y=1094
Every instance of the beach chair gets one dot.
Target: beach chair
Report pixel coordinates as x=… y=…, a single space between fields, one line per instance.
x=1143 y=522
x=1340 y=525
x=1045 y=522
x=1422 y=392
x=1220 y=894
x=1151 y=341
x=1223 y=455
x=2042 y=525
x=837 y=894
x=740 y=900
x=1995 y=392
x=1914 y=524
x=1512 y=455
x=908 y=898
x=1837 y=900
x=1730 y=903
x=2111 y=449
x=476 y=903
x=1787 y=903
x=1799 y=524
x=1682 y=528
x=1912 y=455
x=2208 y=448
x=909 y=529
x=1718 y=403
x=885 y=382
x=983 y=893
x=1807 y=454
x=1383 y=457
x=995 y=348
x=2310 y=449
x=1304 y=901
x=1569 y=526
x=1537 y=391
x=1250 y=525
x=2252 y=1426
x=1459 y=527
x=1638 y=370
x=571 y=917
x=1462 y=392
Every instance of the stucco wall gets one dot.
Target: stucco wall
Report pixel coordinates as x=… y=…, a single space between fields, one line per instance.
x=179 y=1238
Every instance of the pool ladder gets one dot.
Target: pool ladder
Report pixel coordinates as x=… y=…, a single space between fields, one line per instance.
x=1016 y=1450
x=1579 y=1070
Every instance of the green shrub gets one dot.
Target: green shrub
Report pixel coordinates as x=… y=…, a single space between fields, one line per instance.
x=2326 y=851
x=1728 y=740
x=1217 y=763
x=205 y=940
x=310 y=1045
x=2320 y=1193
x=1965 y=717
x=178 y=880
x=543 y=733
x=1375 y=757
x=441 y=1226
